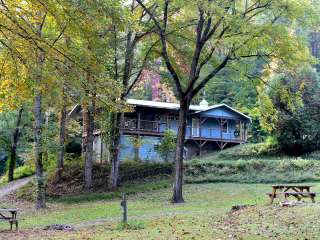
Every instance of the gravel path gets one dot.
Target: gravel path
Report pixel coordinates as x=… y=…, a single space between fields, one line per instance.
x=13 y=186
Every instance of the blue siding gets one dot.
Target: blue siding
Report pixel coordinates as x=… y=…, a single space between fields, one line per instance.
x=211 y=129
x=222 y=112
x=147 y=150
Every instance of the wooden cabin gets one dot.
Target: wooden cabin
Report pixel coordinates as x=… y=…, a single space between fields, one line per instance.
x=209 y=128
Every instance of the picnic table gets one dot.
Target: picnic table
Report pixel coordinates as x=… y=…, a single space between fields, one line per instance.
x=5 y=215
x=297 y=191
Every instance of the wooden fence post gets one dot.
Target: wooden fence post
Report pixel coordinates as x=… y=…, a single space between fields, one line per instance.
x=125 y=208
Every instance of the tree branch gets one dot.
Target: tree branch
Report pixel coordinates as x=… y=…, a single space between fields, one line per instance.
x=210 y=76
x=165 y=54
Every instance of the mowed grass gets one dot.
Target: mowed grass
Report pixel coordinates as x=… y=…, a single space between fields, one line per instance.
x=204 y=215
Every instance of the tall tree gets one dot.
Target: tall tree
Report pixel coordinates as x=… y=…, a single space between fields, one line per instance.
x=291 y=108
x=33 y=32
x=130 y=58
x=14 y=144
x=38 y=115
x=210 y=36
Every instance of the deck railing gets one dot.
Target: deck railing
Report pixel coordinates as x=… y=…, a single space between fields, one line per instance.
x=158 y=127
x=143 y=125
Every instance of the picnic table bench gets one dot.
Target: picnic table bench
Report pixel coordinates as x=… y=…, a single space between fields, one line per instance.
x=4 y=215
x=297 y=191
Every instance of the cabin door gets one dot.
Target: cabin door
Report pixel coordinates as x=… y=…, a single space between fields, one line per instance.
x=195 y=127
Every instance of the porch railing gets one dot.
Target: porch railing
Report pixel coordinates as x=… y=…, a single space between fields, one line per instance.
x=144 y=125
x=191 y=132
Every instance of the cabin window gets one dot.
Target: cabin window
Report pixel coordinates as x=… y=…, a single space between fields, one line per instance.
x=225 y=127
x=173 y=118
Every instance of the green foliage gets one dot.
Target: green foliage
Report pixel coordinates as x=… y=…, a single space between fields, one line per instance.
x=167 y=145
x=293 y=110
x=246 y=151
x=8 y=121
x=253 y=163
x=23 y=171
x=136 y=142
x=314 y=155
x=263 y=170
x=20 y=172
x=131 y=225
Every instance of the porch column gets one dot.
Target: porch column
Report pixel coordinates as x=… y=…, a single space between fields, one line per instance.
x=167 y=121
x=221 y=125
x=138 y=124
x=200 y=126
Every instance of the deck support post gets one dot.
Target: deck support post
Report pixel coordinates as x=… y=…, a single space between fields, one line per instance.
x=221 y=144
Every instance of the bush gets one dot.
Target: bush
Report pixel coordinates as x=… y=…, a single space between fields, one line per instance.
x=314 y=155
x=294 y=113
x=167 y=145
x=20 y=172
x=23 y=171
x=258 y=170
x=131 y=225
x=247 y=151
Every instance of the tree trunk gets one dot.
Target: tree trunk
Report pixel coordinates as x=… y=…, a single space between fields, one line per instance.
x=62 y=135
x=45 y=155
x=88 y=126
x=136 y=154
x=63 y=112
x=38 y=152
x=14 y=144
x=41 y=185
x=178 y=177
x=117 y=120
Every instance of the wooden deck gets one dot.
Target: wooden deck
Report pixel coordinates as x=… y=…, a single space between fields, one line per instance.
x=157 y=128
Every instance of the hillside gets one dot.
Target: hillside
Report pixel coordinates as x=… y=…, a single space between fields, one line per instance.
x=205 y=215
x=251 y=163
x=209 y=197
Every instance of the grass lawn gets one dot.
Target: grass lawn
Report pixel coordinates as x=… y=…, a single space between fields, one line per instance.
x=204 y=215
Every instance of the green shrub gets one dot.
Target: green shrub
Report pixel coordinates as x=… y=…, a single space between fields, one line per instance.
x=20 y=172
x=167 y=145
x=247 y=151
x=257 y=165
x=314 y=155
x=302 y=164
x=131 y=225
x=23 y=171
x=240 y=165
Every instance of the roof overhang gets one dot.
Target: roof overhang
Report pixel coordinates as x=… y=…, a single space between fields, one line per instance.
x=164 y=105
x=226 y=106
